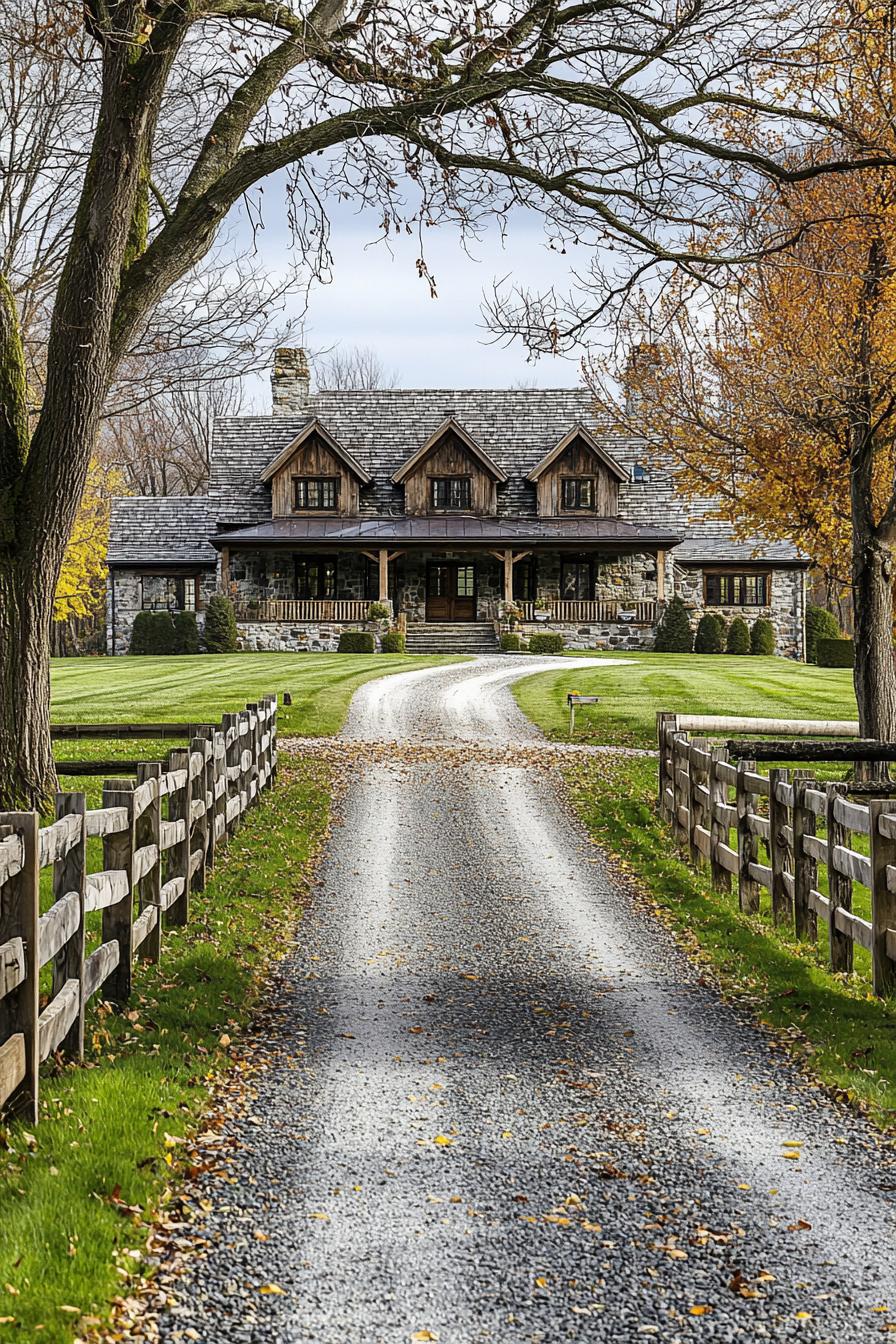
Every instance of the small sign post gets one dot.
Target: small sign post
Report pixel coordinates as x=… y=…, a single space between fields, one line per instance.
x=573 y=700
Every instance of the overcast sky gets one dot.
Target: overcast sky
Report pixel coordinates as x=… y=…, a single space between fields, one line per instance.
x=376 y=299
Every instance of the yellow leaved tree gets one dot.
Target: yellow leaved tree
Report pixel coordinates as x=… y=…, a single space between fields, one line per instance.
x=79 y=604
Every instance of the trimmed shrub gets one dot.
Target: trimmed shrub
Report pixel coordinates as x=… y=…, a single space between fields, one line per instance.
x=820 y=624
x=378 y=611
x=674 y=634
x=186 y=632
x=738 y=636
x=220 y=625
x=835 y=653
x=141 y=634
x=546 y=642
x=710 y=636
x=393 y=641
x=153 y=633
x=510 y=642
x=357 y=641
x=762 y=638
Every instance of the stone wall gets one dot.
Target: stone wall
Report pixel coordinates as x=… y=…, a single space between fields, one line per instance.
x=622 y=578
x=130 y=588
x=307 y=637
x=785 y=609
x=595 y=634
x=272 y=575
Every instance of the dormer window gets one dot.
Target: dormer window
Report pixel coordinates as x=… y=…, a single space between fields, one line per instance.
x=578 y=492
x=450 y=494
x=315 y=492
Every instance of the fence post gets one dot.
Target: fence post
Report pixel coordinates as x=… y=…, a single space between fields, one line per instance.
x=147 y=832
x=19 y=1010
x=883 y=899
x=839 y=886
x=779 y=851
x=231 y=725
x=118 y=919
x=179 y=804
x=697 y=777
x=747 y=843
x=253 y=774
x=805 y=868
x=207 y=734
x=679 y=787
x=220 y=782
x=244 y=742
x=197 y=790
x=70 y=874
x=664 y=723
x=718 y=829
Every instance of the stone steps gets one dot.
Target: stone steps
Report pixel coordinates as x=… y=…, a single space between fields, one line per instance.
x=466 y=637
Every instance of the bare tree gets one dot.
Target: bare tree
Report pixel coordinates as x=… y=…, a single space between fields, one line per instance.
x=356 y=368
x=603 y=114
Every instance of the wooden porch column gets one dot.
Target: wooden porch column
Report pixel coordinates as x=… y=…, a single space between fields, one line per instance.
x=383 y=558
x=660 y=576
x=508 y=576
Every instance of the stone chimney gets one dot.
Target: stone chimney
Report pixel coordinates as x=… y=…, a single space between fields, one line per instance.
x=640 y=370
x=290 y=382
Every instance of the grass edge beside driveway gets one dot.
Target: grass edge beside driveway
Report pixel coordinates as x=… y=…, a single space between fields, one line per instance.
x=77 y=1195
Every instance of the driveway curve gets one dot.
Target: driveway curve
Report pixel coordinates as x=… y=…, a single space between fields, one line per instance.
x=496 y=1103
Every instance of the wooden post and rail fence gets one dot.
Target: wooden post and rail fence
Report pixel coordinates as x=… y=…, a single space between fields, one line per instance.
x=160 y=834
x=761 y=833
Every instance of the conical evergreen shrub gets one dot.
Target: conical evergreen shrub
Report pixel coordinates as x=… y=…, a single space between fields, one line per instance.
x=738 y=636
x=220 y=625
x=762 y=638
x=710 y=637
x=674 y=634
x=186 y=632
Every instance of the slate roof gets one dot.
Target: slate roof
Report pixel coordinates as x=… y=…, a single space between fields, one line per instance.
x=448 y=530
x=382 y=429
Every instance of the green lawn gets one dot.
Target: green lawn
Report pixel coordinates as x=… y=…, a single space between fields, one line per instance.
x=201 y=688
x=846 y=1037
x=631 y=694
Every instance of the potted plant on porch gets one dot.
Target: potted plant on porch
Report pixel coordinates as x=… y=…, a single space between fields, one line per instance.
x=510 y=613
x=542 y=609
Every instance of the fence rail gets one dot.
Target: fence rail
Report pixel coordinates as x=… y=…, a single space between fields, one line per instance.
x=707 y=797
x=632 y=613
x=304 y=609
x=160 y=833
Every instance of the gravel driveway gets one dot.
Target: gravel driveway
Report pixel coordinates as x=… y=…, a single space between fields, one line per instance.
x=496 y=1104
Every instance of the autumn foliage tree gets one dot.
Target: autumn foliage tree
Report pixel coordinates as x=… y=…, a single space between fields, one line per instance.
x=80 y=597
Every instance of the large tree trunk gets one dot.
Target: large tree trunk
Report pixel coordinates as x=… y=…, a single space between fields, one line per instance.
x=27 y=773
x=875 y=675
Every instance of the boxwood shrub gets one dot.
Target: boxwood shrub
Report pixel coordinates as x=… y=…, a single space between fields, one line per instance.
x=738 y=636
x=393 y=641
x=186 y=632
x=762 y=638
x=546 y=641
x=510 y=642
x=820 y=624
x=710 y=636
x=357 y=641
x=835 y=653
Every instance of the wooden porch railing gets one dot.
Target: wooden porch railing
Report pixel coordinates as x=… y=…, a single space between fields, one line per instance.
x=304 y=609
x=633 y=613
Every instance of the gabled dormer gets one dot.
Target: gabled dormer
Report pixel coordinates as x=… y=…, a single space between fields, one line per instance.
x=578 y=478
x=450 y=473
x=314 y=475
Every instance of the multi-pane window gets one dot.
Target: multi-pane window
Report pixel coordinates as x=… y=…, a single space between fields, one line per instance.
x=162 y=592
x=466 y=581
x=576 y=580
x=450 y=492
x=578 y=492
x=315 y=492
x=736 y=590
x=315 y=576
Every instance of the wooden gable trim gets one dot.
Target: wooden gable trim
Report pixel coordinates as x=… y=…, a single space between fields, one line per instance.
x=450 y=426
x=315 y=427
x=578 y=432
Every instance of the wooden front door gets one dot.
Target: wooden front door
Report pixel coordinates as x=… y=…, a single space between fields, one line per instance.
x=450 y=591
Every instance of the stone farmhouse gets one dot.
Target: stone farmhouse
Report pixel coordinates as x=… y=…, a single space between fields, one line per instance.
x=451 y=506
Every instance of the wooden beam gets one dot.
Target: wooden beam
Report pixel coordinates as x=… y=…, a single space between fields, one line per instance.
x=508 y=576
x=383 y=560
x=661 y=576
